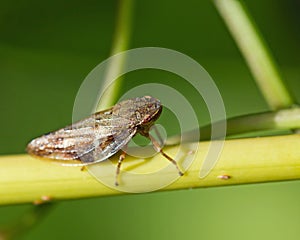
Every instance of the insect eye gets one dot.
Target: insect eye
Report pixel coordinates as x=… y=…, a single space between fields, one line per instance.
x=148 y=118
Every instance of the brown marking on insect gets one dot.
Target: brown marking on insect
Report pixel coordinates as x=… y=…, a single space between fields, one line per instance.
x=107 y=141
x=224 y=177
x=101 y=135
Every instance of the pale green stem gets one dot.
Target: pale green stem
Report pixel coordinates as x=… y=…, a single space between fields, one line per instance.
x=286 y=119
x=120 y=43
x=242 y=161
x=255 y=53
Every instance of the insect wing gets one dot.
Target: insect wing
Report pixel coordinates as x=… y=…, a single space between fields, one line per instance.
x=107 y=141
x=91 y=140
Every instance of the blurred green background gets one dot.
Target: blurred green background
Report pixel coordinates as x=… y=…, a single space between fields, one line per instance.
x=48 y=47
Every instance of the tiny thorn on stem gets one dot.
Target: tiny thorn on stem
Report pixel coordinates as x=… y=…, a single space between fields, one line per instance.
x=43 y=199
x=224 y=177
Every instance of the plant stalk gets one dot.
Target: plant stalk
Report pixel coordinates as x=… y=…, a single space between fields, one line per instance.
x=26 y=179
x=282 y=120
x=120 y=43
x=255 y=52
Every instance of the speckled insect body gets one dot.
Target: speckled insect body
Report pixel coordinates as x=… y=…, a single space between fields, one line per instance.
x=100 y=136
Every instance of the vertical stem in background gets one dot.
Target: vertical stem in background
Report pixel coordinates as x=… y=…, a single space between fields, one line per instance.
x=255 y=53
x=120 y=43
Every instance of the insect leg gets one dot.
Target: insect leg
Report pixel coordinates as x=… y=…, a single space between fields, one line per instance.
x=121 y=158
x=159 y=149
x=161 y=141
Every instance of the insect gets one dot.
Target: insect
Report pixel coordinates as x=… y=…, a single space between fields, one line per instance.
x=101 y=135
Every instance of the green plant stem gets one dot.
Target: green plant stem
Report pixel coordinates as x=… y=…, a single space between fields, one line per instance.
x=255 y=53
x=120 y=43
x=286 y=119
x=26 y=179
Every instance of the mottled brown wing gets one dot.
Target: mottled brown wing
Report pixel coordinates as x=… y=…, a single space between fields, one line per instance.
x=91 y=140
